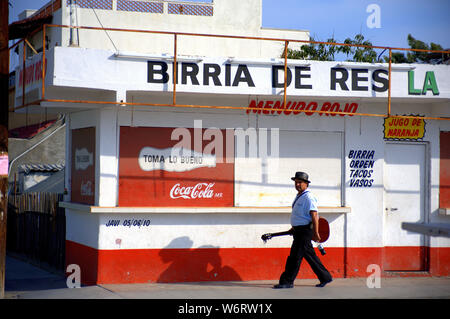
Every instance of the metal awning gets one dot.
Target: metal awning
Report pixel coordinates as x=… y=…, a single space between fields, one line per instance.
x=431 y=229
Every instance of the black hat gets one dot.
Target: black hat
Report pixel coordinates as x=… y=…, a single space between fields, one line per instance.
x=302 y=176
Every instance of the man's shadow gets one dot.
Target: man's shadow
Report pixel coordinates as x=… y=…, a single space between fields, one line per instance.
x=189 y=265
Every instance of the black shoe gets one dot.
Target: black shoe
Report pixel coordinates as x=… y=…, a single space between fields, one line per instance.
x=281 y=286
x=323 y=283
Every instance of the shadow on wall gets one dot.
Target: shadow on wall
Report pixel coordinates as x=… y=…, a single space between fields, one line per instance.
x=200 y=264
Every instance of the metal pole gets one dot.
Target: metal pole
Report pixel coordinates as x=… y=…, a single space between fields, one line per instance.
x=43 y=62
x=286 y=43
x=4 y=77
x=245 y=38
x=224 y=107
x=389 y=89
x=24 y=56
x=174 y=69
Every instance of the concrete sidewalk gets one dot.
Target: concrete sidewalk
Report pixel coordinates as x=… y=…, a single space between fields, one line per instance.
x=25 y=281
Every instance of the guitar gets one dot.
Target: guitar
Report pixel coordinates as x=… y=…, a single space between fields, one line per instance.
x=268 y=236
x=324 y=232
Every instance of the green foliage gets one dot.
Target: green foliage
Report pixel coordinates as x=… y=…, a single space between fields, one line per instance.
x=314 y=51
x=363 y=52
x=419 y=57
x=397 y=57
x=360 y=54
x=326 y=52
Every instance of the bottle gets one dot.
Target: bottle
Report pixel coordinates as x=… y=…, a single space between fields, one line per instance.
x=321 y=249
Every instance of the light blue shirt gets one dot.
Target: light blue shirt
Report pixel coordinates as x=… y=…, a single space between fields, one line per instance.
x=301 y=207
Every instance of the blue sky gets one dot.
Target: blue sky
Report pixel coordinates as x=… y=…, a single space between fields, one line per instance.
x=428 y=20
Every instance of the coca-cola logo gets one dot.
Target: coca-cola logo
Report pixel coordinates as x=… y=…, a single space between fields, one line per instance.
x=201 y=190
x=86 y=188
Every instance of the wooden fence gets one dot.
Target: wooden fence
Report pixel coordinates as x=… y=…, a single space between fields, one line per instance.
x=36 y=228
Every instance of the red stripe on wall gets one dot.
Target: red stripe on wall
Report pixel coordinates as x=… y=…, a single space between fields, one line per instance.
x=358 y=258
x=223 y=264
x=85 y=257
x=405 y=258
x=440 y=261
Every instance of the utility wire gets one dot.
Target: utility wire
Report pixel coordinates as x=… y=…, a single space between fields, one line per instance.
x=98 y=19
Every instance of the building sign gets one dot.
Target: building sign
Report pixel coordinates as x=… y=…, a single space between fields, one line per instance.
x=361 y=167
x=300 y=107
x=174 y=159
x=306 y=80
x=357 y=80
x=298 y=77
x=83 y=166
x=161 y=166
x=33 y=73
x=429 y=84
x=404 y=129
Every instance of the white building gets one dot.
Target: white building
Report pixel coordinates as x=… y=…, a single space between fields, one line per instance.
x=143 y=208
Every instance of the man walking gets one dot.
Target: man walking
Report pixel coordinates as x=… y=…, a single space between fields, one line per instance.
x=305 y=227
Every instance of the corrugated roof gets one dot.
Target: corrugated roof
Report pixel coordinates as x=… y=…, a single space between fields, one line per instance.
x=52 y=184
x=27 y=168
x=30 y=130
x=20 y=29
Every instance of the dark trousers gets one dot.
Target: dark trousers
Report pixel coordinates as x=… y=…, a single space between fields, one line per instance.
x=302 y=247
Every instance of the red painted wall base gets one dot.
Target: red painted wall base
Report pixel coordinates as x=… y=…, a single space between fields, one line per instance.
x=230 y=264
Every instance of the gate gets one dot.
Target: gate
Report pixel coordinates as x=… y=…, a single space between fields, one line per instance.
x=36 y=228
